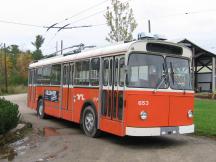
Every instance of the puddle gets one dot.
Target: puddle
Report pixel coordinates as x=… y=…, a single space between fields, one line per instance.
x=48 y=131
x=19 y=147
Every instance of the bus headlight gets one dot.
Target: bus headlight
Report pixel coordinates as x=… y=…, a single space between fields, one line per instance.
x=143 y=115
x=190 y=114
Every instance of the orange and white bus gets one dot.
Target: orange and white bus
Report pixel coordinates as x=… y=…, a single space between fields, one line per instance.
x=140 y=88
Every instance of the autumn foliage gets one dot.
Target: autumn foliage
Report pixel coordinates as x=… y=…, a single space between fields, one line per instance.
x=16 y=65
x=17 y=62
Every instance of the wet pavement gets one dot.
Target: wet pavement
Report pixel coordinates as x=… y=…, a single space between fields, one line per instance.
x=58 y=140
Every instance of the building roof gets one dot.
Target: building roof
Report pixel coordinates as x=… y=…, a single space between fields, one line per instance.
x=198 y=47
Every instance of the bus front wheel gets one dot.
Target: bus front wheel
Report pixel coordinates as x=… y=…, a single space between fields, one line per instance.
x=89 y=122
x=40 y=109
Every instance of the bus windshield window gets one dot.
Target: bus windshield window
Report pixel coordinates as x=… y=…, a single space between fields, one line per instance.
x=179 y=73
x=146 y=71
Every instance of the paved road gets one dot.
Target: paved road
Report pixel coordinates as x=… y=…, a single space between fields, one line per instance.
x=58 y=140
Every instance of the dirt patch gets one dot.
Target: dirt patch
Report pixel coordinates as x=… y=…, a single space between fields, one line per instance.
x=205 y=95
x=48 y=131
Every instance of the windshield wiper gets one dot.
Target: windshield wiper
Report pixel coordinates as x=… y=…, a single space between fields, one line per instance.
x=172 y=72
x=164 y=76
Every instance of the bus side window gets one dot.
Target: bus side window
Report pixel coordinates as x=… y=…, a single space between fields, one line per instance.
x=116 y=71
x=39 y=75
x=105 y=72
x=30 y=76
x=56 y=74
x=64 y=75
x=111 y=72
x=71 y=74
x=82 y=72
x=121 y=71
x=34 y=80
x=94 y=72
x=46 y=75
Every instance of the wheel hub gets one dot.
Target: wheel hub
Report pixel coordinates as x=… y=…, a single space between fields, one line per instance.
x=89 y=121
x=40 y=109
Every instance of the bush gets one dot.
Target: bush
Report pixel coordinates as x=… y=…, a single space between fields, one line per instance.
x=9 y=115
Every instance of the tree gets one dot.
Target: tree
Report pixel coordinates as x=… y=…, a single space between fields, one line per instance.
x=13 y=50
x=23 y=61
x=37 y=54
x=121 y=21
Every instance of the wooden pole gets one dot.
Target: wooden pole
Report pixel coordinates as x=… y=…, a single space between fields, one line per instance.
x=5 y=69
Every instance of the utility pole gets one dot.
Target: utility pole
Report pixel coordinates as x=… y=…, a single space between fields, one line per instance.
x=56 y=47
x=149 y=26
x=5 y=69
x=61 y=47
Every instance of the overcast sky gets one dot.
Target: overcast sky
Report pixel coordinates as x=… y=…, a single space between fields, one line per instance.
x=167 y=17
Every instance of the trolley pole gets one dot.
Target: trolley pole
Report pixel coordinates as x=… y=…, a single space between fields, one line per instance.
x=149 y=26
x=5 y=69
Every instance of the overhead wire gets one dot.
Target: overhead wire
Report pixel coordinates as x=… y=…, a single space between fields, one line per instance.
x=83 y=11
x=184 y=13
x=19 y=23
x=78 y=13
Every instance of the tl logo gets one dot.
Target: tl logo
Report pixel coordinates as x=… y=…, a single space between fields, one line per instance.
x=80 y=97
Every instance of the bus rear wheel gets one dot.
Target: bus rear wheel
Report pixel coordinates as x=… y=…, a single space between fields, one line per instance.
x=40 y=109
x=89 y=122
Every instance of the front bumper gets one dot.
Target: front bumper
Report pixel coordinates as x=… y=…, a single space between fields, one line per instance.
x=159 y=131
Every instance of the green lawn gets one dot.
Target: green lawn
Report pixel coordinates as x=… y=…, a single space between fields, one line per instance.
x=205 y=117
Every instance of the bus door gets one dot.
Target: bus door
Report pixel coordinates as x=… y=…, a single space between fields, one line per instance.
x=34 y=73
x=30 y=85
x=112 y=95
x=32 y=99
x=65 y=91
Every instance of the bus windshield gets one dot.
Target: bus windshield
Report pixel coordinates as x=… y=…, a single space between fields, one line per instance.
x=179 y=73
x=146 y=71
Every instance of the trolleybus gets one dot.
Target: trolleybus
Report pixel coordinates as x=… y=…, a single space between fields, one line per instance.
x=140 y=88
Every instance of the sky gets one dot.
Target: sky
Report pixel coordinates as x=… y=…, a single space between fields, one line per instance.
x=176 y=19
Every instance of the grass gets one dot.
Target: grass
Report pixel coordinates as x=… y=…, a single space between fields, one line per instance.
x=14 y=90
x=205 y=117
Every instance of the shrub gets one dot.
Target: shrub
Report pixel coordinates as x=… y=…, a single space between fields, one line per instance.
x=9 y=115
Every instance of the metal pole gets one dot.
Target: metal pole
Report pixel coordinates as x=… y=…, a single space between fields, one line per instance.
x=193 y=64
x=56 y=47
x=149 y=26
x=61 y=47
x=5 y=69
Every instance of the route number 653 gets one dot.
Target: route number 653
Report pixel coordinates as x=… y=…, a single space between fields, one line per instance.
x=143 y=103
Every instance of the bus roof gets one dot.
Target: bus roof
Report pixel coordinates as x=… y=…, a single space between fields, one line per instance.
x=109 y=50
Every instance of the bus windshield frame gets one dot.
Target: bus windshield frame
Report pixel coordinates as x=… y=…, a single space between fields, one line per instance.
x=153 y=68
x=179 y=73
x=163 y=70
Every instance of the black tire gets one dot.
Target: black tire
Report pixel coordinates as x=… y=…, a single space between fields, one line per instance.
x=40 y=109
x=89 y=122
